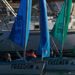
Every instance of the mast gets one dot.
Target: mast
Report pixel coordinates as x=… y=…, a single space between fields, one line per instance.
x=27 y=24
x=25 y=32
x=39 y=25
x=63 y=29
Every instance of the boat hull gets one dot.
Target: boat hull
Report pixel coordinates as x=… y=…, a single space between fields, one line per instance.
x=16 y=67
x=59 y=64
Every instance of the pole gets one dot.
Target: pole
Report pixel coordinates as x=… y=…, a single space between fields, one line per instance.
x=40 y=26
x=63 y=28
x=24 y=58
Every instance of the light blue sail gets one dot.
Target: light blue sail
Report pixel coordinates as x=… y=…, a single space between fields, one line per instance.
x=20 y=30
x=45 y=40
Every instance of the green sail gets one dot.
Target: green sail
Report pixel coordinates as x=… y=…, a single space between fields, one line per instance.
x=58 y=31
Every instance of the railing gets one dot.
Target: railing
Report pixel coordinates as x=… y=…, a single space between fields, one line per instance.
x=9 y=7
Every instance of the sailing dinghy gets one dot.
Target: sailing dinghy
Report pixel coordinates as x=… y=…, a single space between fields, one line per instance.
x=59 y=32
x=19 y=35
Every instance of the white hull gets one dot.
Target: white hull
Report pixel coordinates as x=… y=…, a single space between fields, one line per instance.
x=34 y=40
x=28 y=68
x=59 y=64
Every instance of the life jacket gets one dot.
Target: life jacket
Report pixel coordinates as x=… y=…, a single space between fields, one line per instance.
x=31 y=55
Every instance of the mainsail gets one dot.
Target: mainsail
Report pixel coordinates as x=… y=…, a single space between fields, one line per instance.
x=20 y=30
x=45 y=42
x=58 y=31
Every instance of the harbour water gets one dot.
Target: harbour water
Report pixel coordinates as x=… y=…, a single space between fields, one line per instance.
x=59 y=73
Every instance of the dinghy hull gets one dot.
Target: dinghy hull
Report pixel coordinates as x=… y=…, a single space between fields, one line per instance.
x=22 y=67
x=59 y=64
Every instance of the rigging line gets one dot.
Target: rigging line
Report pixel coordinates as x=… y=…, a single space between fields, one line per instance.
x=72 y=10
x=5 y=22
x=55 y=48
x=12 y=46
x=48 y=8
x=54 y=44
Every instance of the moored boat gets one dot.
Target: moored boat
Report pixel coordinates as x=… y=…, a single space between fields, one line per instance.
x=35 y=34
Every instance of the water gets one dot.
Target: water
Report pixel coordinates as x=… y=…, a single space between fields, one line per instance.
x=59 y=73
x=54 y=73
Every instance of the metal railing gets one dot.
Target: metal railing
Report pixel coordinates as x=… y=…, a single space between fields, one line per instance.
x=9 y=7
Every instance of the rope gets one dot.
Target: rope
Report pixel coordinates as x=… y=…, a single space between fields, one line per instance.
x=15 y=49
x=55 y=47
x=72 y=10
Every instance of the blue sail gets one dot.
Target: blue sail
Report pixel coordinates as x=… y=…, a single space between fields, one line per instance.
x=45 y=40
x=22 y=24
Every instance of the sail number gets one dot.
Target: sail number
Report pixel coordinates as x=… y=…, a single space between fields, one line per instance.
x=22 y=66
x=60 y=28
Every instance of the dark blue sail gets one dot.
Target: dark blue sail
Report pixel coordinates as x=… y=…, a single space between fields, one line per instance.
x=20 y=30
x=45 y=40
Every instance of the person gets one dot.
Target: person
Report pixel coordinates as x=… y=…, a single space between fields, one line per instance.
x=52 y=54
x=6 y=57
x=30 y=54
